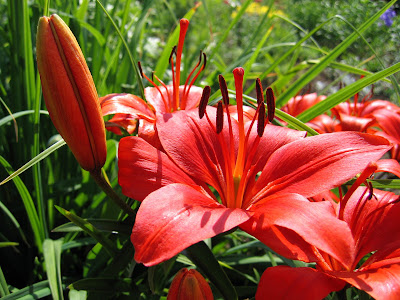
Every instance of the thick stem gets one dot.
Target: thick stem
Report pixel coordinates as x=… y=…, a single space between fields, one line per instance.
x=106 y=187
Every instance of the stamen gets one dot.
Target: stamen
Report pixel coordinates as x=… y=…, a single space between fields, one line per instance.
x=220 y=117
x=204 y=101
x=224 y=89
x=184 y=24
x=259 y=91
x=270 y=104
x=154 y=84
x=187 y=88
x=165 y=87
x=261 y=119
x=140 y=69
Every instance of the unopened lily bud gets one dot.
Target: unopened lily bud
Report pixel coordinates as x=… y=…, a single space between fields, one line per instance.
x=69 y=92
x=189 y=284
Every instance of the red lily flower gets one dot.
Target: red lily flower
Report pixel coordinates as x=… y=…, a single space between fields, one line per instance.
x=373 y=219
x=160 y=99
x=179 y=208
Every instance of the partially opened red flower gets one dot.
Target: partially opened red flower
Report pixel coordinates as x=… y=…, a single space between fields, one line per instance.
x=189 y=284
x=69 y=92
x=160 y=99
x=261 y=175
x=373 y=217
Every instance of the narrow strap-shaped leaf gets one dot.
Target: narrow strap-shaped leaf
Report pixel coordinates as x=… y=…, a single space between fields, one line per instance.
x=35 y=291
x=14 y=221
x=100 y=224
x=345 y=93
x=28 y=205
x=90 y=229
x=52 y=258
x=203 y=258
x=103 y=284
x=138 y=77
x=34 y=160
x=339 y=49
x=14 y=116
x=3 y=285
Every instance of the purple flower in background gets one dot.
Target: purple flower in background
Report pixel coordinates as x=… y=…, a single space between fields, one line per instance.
x=388 y=16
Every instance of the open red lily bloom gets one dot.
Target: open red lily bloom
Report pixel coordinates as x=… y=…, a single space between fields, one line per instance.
x=226 y=155
x=69 y=92
x=160 y=98
x=373 y=220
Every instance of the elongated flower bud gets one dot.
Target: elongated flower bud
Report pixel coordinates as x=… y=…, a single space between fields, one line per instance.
x=69 y=92
x=189 y=284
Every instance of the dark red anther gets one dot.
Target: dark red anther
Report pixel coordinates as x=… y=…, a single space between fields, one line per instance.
x=261 y=119
x=140 y=68
x=259 y=91
x=220 y=117
x=224 y=89
x=270 y=104
x=205 y=60
x=173 y=51
x=204 y=101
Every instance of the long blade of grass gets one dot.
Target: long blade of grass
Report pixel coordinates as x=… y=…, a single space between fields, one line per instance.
x=346 y=93
x=103 y=284
x=14 y=116
x=14 y=221
x=100 y=224
x=33 y=217
x=90 y=229
x=35 y=160
x=4 y=291
x=52 y=259
x=235 y=20
x=36 y=291
x=318 y=68
x=138 y=77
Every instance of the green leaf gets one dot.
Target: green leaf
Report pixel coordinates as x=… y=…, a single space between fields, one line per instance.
x=332 y=55
x=52 y=258
x=100 y=224
x=3 y=285
x=205 y=260
x=90 y=229
x=103 y=284
x=8 y=244
x=34 y=160
x=29 y=206
x=345 y=93
x=36 y=291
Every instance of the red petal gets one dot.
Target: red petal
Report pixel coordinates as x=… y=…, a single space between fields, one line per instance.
x=319 y=163
x=154 y=97
x=284 y=282
x=381 y=280
x=291 y=226
x=373 y=221
x=144 y=169
x=194 y=145
x=129 y=104
x=175 y=217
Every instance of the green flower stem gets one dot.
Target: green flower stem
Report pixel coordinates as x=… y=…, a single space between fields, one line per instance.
x=203 y=258
x=106 y=187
